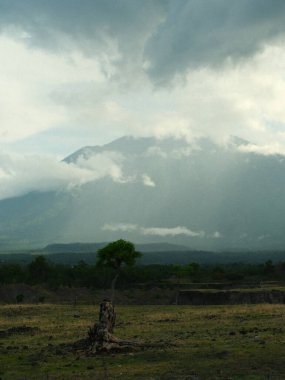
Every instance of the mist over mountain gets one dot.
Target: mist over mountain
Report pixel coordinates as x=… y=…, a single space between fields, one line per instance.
x=200 y=194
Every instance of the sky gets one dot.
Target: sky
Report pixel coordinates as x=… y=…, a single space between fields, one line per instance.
x=85 y=72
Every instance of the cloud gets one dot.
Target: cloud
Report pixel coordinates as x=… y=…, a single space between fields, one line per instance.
x=265 y=150
x=174 y=231
x=156 y=151
x=22 y=174
x=114 y=32
x=200 y=33
x=147 y=181
x=216 y=235
x=263 y=237
x=92 y=71
x=104 y=164
x=163 y=37
x=243 y=101
x=153 y=231
x=124 y=227
x=27 y=80
x=186 y=150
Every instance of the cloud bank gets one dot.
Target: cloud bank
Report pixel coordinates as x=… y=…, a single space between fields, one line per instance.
x=20 y=175
x=165 y=37
x=211 y=33
x=79 y=73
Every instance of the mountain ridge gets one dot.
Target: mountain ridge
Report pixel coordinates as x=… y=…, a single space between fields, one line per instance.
x=93 y=247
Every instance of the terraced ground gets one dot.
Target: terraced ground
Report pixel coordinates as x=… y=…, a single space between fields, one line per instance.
x=210 y=342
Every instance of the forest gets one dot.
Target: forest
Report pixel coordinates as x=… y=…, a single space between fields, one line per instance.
x=42 y=271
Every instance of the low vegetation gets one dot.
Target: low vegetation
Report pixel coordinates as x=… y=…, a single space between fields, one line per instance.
x=210 y=342
x=41 y=270
x=44 y=340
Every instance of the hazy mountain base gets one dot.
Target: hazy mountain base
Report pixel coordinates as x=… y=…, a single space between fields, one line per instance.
x=218 y=342
x=67 y=256
x=217 y=194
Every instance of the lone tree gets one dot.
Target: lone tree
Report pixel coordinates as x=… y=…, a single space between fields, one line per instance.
x=116 y=255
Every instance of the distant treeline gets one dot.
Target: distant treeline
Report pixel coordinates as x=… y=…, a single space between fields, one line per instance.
x=60 y=254
x=42 y=271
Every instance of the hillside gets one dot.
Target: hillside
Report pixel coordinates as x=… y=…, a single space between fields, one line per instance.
x=201 y=195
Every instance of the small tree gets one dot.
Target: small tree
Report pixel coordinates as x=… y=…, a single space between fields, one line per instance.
x=116 y=255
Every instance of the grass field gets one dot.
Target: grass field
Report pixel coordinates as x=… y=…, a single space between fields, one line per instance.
x=211 y=342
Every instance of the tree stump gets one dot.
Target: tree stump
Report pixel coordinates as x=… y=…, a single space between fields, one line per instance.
x=101 y=334
x=107 y=314
x=101 y=339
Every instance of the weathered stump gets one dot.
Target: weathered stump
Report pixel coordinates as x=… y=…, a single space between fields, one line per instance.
x=101 y=336
x=107 y=314
x=101 y=339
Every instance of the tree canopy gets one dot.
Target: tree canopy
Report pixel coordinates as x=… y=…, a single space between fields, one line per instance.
x=118 y=254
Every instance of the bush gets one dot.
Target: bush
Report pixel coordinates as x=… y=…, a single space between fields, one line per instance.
x=20 y=298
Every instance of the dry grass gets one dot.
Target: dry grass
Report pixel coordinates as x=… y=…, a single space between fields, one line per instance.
x=212 y=342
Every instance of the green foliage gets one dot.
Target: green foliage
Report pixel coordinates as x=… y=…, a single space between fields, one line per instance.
x=41 y=299
x=11 y=273
x=189 y=271
x=269 y=267
x=20 y=298
x=120 y=257
x=117 y=254
x=39 y=270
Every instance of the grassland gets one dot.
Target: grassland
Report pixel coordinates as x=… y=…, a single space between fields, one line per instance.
x=211 y=342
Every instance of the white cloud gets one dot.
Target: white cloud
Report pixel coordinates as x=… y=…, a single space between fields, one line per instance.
x=22 y=174
x=153 y=231
x=27 y=79
x=156 y=151
x=105 y=164
x=243 y=100
x=216 y=235
x=263 y=237
x=124 y=227
x=78 y=93
x=174 y=231
x=41 y=91
x=265 y=150
x=147 y=181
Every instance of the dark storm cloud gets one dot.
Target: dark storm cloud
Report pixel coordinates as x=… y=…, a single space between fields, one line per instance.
x=171 y=35
x=205 y=33
x=52 y=23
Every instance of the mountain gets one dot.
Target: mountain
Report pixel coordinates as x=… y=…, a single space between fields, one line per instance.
x=93 y=247
x=198 y=194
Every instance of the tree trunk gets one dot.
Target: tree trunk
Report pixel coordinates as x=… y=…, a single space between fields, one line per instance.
x=113 y=285
x=101 y=339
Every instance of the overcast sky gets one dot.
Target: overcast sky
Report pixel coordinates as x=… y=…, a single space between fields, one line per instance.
x=84 y=72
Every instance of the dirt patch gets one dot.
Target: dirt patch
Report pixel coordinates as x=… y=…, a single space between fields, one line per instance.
x=230 y=297
x=18 y=330
x=43 y=294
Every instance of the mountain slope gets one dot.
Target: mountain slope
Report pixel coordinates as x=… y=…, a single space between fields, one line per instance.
x=198 y=194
